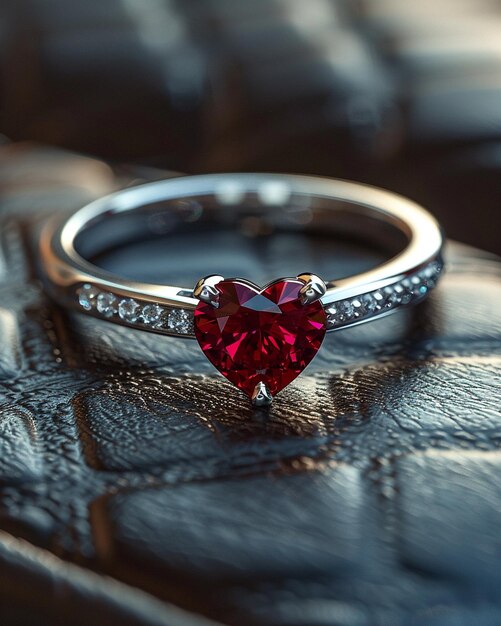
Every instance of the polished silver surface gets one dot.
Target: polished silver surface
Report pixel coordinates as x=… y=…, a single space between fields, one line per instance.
x=261 y=396
x=206 y=289
x=270 y=200
x=314 y=288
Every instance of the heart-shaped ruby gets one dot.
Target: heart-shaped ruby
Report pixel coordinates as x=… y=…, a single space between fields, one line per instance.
x=256 y=335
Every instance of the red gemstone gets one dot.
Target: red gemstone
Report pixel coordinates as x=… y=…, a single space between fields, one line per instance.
x=258 y=335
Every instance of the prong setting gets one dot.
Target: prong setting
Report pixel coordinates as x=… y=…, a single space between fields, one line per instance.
x=261 y=396
x=206 y=289
x=314 y=288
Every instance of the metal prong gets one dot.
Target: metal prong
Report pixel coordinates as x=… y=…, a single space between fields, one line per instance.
x=314 y=288
x=261 y=395
x=206 y=290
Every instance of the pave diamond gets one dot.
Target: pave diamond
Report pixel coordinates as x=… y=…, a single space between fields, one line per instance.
x=394 y=295
x=338 y=314
x=87 y=295
x=332 y=313
x=373 y=301
x=407 y=293
x=151 y=314
x=346 y=311
x=129 y=310
x=181 y=321
x=407 y=290
x=430 y=274
x=358 y=307
x=107 y=304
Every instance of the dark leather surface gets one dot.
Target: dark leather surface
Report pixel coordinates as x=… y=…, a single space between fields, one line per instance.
x=404 y=95
x=137 y=487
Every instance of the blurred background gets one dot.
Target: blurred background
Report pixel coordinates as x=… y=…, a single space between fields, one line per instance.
x=404 y=95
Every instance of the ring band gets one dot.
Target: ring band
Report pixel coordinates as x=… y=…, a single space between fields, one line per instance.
x=264 y=202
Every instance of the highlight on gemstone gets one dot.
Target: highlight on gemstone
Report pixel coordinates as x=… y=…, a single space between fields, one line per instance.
x=256 y=335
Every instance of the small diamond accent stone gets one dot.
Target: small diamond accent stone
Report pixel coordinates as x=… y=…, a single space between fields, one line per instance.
x=430 y=274
x=395 y=295
x=332 y=313
x=346 y=310
x=412 y=288
x=87 y=297
x=406 y=294
x=373 y=301
x=358 y=307
x=107 y=304
x=151 y=314
x=129 y=310
x=181 y=321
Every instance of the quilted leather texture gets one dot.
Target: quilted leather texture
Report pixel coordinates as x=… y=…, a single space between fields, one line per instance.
x=137 y=487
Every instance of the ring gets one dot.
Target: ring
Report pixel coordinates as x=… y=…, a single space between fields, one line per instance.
x=259 y=338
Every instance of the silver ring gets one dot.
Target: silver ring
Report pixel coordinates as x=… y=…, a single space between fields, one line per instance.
x=268 y=202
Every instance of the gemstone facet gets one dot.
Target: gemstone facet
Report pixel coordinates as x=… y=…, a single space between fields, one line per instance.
x=260 y=336
x=129 y=310
x=151 y=314
x=180 y=321
x=107 y=304
x=87 y=296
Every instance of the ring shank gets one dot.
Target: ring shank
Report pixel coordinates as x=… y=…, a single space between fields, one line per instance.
x=223 y=201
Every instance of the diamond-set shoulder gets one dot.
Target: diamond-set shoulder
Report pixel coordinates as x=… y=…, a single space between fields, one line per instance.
x=134 y=312
x=409 y=290
x=178 y=321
